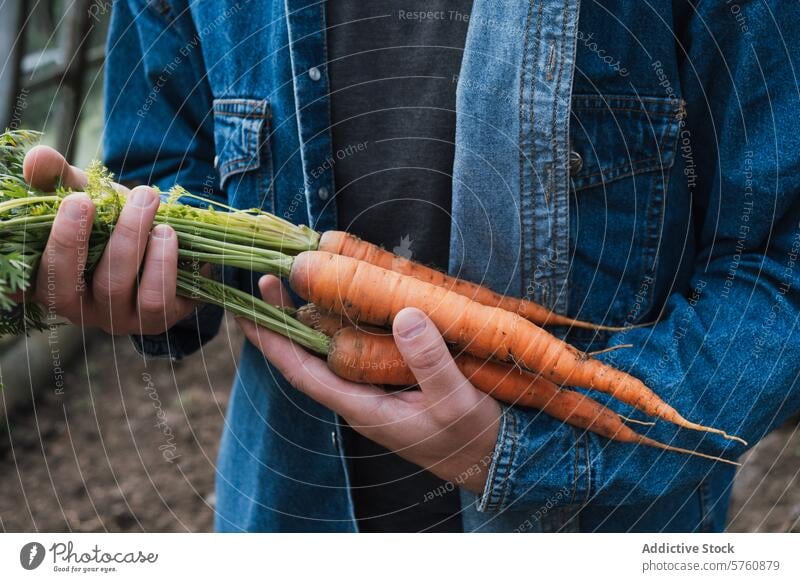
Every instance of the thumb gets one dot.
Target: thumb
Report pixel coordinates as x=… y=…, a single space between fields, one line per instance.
x=44 y=167
x=427 y=356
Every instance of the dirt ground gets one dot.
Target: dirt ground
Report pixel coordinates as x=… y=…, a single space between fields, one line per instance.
x=131 y=446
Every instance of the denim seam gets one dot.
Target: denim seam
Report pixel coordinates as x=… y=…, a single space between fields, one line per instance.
x=613 y=178
x=506 y=479
x=627 y=109
x=523 y=122
x=575 y=465
x=588 y=462
x=250 y=136
x=660 y=106
x=497 y=482
x=631 y=164
x=486 y=501
x=561 y=239
x=241 y=107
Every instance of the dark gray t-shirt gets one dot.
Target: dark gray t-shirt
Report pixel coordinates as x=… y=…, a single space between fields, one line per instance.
x=393 y=69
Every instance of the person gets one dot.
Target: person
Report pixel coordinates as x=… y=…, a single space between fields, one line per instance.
x=627 y=163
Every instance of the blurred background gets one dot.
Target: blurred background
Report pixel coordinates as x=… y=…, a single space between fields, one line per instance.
x=93 y=437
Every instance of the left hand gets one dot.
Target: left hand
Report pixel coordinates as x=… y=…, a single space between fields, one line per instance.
x=447 y=427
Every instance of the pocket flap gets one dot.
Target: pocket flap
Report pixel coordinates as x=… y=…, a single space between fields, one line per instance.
x=239 y=134
x=621 y=136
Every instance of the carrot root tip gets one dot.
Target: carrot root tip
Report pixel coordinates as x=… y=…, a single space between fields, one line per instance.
x=720 y=432
x=659 y=445
x=635 y=421
x=609 y=349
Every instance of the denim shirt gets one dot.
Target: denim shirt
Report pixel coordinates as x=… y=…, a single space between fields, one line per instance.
x=623 y=162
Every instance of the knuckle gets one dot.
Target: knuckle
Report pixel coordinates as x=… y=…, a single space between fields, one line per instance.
x=130 y=226
x=109 y=287
x=158 y=257
x=152 y=302
x=428 y=358
x=67 y=305
x=63 y=238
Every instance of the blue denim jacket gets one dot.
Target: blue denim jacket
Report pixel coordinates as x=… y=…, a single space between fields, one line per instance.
x=621 y=161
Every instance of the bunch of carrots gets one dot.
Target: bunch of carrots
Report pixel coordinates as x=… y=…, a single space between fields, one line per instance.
x=354 y=290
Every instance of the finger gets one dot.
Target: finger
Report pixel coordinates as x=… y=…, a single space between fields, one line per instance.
x=44 y=168
x=274 y=292
x=309 y=374
x=428 y=358
x=157 y=300
x=59 y=282
x=114 y=281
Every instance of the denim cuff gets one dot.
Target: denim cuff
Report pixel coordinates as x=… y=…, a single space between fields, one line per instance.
x=536 y=462
x=184 y=338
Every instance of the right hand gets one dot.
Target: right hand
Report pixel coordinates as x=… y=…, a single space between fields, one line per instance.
x=133 y=288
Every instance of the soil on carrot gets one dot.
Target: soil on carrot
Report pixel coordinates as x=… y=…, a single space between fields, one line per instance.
x=131 y=445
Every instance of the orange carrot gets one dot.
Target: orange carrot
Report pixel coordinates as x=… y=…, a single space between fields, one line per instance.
x=368 y=358
x=366 y=293
x=348 y=245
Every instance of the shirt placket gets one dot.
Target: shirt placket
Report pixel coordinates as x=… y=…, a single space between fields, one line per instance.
x=545 y=93
x=308 y=53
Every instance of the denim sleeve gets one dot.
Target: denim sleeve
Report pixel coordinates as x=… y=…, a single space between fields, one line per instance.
x=159 y=126
x=724 y=352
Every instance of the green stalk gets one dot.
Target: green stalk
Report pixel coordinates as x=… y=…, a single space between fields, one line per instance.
x=249 y=307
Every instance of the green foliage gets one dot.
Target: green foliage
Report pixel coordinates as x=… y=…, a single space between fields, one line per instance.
x=208 y=232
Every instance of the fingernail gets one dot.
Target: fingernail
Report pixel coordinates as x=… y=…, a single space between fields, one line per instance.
x=75 y=209
x=162 y=231
x=412 y=325
x=141 y=197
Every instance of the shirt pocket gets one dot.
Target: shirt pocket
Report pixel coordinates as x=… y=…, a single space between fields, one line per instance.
x=243 y=156
x=623 y=149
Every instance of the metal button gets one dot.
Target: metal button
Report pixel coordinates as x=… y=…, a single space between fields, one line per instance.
x=575 y=162
x=216 y=161
x=334 y=440
x=323 y=193
x=314 y=73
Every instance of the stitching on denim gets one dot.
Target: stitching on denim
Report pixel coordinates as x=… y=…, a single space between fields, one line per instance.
x=240 y=101
x=627 y=109
x=248 y=135
x=561 y=240
x=646 y=162
x=665 y=185
x=265 y=166
x=488 y=499
x=655 y=105
x=705 y=516
x=662 y=190
x=255 y=108
x=506 y=479
x=237 y=114
x=551 y=185
x=575 y=463
x=588 y=468
x=520 y=138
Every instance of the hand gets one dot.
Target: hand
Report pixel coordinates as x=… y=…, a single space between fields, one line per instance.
x=119 y=300
x=447 y=427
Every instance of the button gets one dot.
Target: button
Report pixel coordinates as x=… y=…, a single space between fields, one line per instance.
x=323 y=193
x=216 y=161
x=334 y=440
x=575 y=162
x=314 y=73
